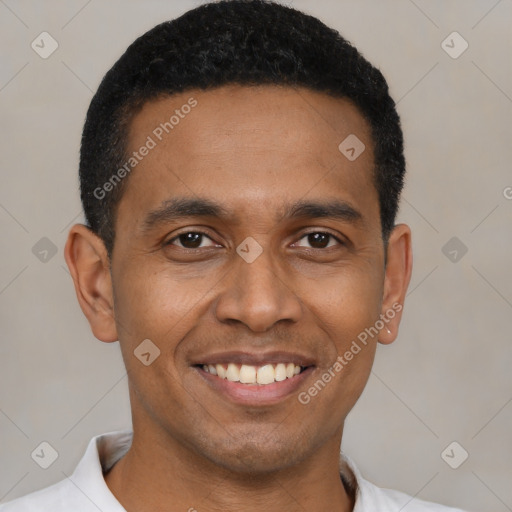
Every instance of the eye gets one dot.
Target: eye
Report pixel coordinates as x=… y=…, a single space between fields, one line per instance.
x=191 y=240
x=320 y=240
x=198 y=240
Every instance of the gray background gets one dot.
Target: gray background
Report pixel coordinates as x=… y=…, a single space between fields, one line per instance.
x=446 y=378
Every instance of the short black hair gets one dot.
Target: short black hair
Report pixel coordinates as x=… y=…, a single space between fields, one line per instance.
x=245 y=42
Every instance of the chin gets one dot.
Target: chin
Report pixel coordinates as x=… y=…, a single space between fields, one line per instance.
x=252 y=457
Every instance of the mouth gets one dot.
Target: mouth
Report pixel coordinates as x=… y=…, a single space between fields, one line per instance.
x=260 y=383
x=262 y=375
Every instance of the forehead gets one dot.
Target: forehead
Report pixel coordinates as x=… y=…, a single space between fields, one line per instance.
x=249 y=146
x=249 y=116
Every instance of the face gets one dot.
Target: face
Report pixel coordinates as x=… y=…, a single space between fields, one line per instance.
x=248 y=247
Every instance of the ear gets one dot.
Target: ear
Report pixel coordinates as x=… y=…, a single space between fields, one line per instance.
x=396 y=281
x=88 y=263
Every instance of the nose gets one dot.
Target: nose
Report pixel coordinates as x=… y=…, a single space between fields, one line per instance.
x=257 y=295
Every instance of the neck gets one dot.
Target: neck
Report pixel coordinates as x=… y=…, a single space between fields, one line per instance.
x=156 y=470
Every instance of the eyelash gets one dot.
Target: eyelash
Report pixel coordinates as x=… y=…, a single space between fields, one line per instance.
x=202 y=233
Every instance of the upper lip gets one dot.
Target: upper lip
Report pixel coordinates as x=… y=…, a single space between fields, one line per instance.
x=253 y=358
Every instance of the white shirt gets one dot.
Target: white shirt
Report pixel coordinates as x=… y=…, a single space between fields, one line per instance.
x=86 y=491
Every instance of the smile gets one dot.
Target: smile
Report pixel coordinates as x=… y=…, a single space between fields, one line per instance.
x=263 y=375
x=255 y=385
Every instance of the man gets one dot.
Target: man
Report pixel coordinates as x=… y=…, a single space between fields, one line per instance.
x=240 y=169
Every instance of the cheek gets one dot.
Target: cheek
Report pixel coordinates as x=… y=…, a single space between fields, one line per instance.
x=154 y=304
x=149 y=305
x=346 y=301
x=345 y=304
x=345 y=310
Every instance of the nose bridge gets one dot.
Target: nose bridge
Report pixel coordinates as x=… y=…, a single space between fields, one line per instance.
x=259 y=276
x=257 y=295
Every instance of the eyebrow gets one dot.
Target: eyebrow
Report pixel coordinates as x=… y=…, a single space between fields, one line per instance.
x=184 y=207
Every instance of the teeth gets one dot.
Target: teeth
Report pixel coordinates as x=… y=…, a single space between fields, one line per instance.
x=266 y=374
x=233 y=373
x=221 y=371
x=248 y=374
x=280 y=372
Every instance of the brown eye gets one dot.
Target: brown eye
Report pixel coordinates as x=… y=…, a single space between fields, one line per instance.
x=190 y=240
x=320 y=240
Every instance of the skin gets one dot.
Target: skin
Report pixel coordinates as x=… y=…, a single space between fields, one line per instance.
x=252 y=150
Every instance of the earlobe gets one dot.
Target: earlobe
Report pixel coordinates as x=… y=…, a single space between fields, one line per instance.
x=396 y=281
x=88 y=263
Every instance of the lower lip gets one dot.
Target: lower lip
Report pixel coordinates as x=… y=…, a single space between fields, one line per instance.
x=256 y=394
